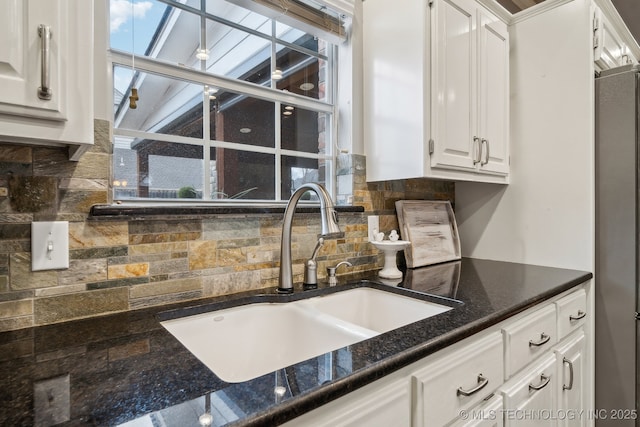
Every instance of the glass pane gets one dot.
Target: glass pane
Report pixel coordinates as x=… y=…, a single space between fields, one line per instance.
x=239 y=15
x=126 y=32
x=300 y=38
x=157 y=169
x=125 y=169
x=158 y=31
x=304 y=130
x=164 y=105
x=237 y=54
x=242 y=175
x=241 y=119
x=302 y=74
x=297 y=171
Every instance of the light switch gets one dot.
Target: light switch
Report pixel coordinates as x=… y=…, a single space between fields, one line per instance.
x=373 y=225
x=49 y=245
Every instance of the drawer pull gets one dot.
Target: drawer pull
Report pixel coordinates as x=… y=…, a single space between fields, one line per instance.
x=544 y=338
x=568 y=362
x=544 y=381
x=581 y=314
x=482 y=382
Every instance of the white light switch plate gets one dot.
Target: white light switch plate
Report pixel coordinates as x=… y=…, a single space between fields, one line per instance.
x=373 y=222
x=49 y=245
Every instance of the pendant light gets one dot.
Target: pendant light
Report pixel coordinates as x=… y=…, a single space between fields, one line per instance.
x=133 y=98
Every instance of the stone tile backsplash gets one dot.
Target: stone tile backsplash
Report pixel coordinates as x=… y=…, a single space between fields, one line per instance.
x=116 y=266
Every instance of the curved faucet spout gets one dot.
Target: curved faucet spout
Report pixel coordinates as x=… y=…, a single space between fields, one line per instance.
x=329 y=228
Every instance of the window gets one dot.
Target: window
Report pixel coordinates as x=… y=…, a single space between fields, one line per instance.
x=233 y=103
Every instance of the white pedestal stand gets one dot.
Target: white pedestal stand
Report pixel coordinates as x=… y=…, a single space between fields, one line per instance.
x=390 y=248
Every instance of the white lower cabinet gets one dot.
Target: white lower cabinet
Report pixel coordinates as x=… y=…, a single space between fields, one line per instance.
x=458 y=382
x=530 y=398
x=529 y=337
x=384 y=403
x=486 y=414
x=570 y=385
x=529 y=370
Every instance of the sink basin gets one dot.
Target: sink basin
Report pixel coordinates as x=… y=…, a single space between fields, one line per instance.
x=375 y=310
x=245 y=342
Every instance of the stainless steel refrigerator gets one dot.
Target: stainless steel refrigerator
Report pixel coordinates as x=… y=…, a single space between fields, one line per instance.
x=617 y=265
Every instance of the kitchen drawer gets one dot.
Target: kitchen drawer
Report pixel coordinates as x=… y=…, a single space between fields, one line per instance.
x=458 y=381
x=572 y=312
x=488 y=413
x=530 y=397
x=529 y=337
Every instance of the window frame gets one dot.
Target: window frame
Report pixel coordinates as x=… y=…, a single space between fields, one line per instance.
x=115 y=57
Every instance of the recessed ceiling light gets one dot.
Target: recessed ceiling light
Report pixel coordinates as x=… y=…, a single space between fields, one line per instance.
x=245 y=130
x=288 y=107
x=287 y=113
x=307 y=86
x=276 y=75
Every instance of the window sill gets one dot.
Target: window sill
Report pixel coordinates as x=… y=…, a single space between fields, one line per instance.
x=145 y=213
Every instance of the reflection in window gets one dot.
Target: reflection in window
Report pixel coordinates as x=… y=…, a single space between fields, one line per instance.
x=232 y=104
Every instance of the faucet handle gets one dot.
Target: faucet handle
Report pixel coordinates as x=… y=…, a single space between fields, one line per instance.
x=310 y=268
x=331 y=272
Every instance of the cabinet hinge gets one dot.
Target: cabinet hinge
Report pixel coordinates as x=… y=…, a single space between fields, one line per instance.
x=431 y=146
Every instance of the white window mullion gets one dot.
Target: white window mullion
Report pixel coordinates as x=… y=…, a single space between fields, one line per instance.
x=206 y=144
x=276 y=120
x=206 y=117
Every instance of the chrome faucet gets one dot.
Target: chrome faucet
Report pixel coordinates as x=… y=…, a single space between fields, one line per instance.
x=329 y=229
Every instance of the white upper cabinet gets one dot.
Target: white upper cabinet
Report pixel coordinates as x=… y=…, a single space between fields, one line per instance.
x=611 y=43
x=46 y=73
x=470 y=113
x=493 y=128
x=455 y=85
x=436 y=89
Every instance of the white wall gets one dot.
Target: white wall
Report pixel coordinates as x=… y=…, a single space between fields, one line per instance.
x=546 y=215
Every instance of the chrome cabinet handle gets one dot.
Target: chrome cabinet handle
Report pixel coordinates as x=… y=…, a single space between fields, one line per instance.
x=568 y=362
x=486 y=143
x=544 y=381
x=544 y=338
x=478 y=150
x=44 y=91
x=581 y=314
x=482 y=382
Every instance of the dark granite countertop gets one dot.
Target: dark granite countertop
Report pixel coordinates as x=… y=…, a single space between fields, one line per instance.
x=114 y=369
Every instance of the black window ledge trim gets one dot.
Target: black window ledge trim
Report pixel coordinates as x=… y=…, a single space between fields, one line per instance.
x=123 y=212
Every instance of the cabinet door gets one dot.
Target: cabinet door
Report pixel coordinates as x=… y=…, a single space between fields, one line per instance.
x=608 y=49
x=530 y=398
x=66 y=118
x=21 y=57
x=376 y=405
x=454 y=79
x=494 y=94
x=571 y=372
